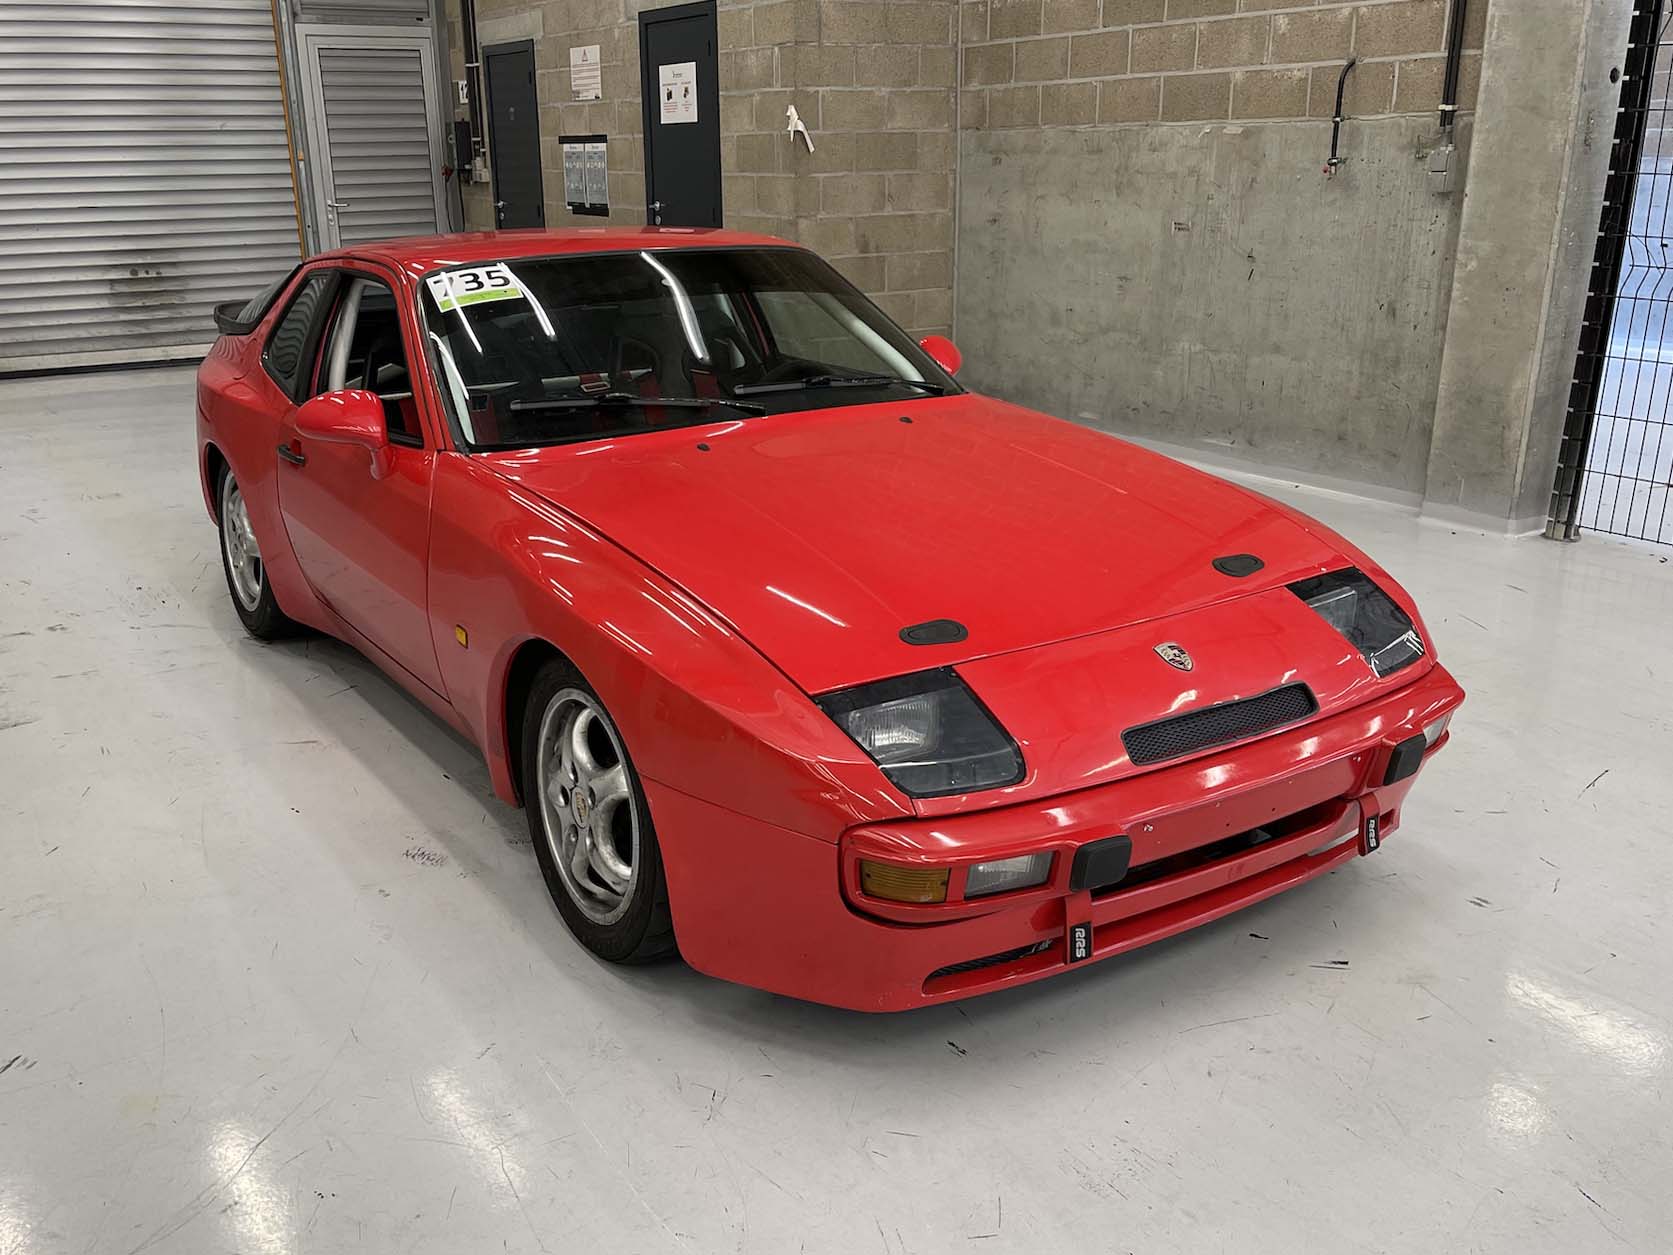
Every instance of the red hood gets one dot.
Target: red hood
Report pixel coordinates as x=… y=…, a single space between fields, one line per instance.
x=821 y=535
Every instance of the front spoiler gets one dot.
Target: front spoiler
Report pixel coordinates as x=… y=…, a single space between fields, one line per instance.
x=777 y=910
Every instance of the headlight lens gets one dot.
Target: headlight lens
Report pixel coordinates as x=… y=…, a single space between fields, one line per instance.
x=928 y=733
x=1007 y=874
x=1382 y=632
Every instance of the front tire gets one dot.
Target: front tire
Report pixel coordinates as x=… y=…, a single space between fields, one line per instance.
x=252 y=595
x=591 y=823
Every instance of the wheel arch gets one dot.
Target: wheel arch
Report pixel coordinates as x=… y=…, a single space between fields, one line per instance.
x=214 y=466
x=525 y=663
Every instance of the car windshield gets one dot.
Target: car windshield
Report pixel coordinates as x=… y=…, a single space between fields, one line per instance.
x=558 y=350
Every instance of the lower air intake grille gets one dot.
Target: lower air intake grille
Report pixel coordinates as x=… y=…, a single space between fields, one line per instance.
x=993 y=960
x=1218 y=725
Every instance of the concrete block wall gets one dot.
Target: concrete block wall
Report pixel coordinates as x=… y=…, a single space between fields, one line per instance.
x=1031 y=63
x=1143 y=197
x=875 y=81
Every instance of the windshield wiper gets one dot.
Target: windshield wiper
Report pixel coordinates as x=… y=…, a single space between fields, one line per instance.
x=627 y=400
x=838 y=381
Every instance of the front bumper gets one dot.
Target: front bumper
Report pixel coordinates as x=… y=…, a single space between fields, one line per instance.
x=782 y=912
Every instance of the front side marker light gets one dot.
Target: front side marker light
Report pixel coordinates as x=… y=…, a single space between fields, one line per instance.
x=918 y=886
x=1435 y=731
x=1027 y=871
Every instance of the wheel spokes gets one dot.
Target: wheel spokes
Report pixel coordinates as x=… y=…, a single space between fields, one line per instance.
x=242 y=553
x=580 y=853
x=585 y=783
x=581 y=744
x=609 y=788
x=607 y=861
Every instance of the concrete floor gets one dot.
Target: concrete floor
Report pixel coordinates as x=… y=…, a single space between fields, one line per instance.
x=279 y=976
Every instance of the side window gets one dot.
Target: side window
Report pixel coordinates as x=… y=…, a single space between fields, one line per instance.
x=366 y=352
x=289 y=353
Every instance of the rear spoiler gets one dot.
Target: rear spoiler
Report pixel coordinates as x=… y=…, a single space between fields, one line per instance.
x=228 y=322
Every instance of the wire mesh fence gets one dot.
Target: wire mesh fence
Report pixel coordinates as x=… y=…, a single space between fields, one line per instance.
x=1615 y=473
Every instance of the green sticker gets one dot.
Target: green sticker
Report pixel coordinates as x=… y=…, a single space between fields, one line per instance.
x=454 y=289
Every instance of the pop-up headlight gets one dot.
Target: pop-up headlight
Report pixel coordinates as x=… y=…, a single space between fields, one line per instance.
x=928 y=733
x=1382 y=632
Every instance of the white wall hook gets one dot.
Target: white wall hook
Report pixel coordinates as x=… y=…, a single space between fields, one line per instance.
x=797 y=127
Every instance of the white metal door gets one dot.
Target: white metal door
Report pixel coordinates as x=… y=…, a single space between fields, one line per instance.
x=145 y=172
x=374 y=127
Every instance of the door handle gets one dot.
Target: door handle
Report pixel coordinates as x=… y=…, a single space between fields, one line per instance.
x=294 y=456
x=499 y=204
x=336 y=204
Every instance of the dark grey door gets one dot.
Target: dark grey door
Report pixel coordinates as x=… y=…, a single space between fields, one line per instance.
x=514 y=135
x=679 y=74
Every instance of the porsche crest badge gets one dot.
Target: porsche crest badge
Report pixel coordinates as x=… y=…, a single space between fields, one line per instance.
x=1175 y=656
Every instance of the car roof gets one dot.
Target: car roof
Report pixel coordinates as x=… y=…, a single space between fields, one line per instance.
x=420 y=254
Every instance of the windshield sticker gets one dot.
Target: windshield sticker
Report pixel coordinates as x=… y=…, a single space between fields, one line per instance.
x=454 y=289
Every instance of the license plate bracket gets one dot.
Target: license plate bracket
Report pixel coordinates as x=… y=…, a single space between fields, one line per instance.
x=1370 y=835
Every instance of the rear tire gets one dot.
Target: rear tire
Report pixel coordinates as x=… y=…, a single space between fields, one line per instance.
x=591 y=824
x=252 y=595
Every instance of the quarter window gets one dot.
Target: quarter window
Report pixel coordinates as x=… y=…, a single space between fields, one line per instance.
x=290 y=348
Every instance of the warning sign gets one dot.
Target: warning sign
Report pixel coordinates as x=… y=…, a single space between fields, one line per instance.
x=586 y=73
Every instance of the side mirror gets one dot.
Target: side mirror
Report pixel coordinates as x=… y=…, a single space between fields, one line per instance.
x=349 y=417
x=943 y=352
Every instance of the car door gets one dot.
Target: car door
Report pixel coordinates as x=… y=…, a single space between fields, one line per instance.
x=363 y=541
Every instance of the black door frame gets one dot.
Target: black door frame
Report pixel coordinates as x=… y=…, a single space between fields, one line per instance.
x=491 y=50
x=648 y=95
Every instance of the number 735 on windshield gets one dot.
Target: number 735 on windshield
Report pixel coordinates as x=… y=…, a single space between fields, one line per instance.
x=454 y=289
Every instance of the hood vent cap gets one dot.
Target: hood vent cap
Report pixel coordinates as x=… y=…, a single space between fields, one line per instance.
x=1239 y=565
x=935 y=632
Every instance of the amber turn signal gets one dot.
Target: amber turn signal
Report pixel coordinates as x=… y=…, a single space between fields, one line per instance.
x=920 y=885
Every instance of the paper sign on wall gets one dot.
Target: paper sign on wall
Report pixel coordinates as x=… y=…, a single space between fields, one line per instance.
x=586 y=73
x=586 y=173
x=574 y=175
x=679 y=92
x=598 y=177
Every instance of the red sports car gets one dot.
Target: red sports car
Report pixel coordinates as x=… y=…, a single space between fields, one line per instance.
x=854 y=685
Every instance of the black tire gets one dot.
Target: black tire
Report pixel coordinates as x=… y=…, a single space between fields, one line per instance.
x=639 y=928
x=254 y=602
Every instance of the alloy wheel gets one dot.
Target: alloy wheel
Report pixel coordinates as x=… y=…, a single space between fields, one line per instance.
x=588 y=809
x=243 y=554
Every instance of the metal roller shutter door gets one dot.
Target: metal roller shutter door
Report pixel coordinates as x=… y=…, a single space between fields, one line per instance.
x=146 y=175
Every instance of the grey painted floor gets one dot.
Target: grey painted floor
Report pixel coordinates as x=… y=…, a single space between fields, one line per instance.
x=279 y=976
